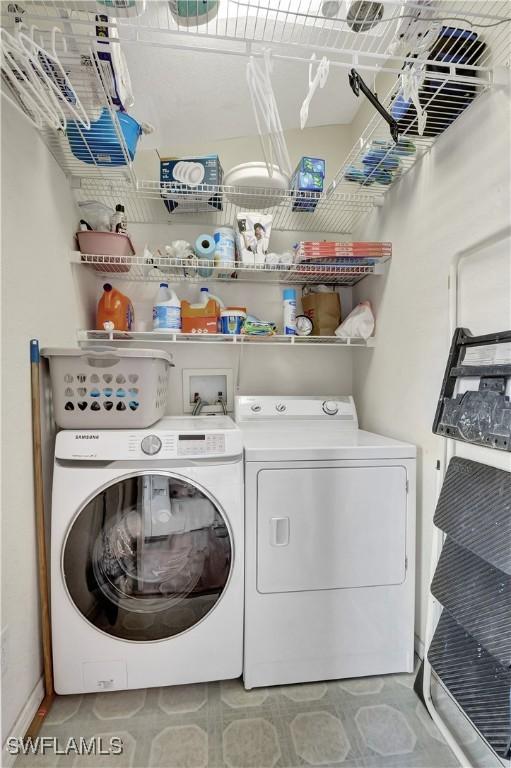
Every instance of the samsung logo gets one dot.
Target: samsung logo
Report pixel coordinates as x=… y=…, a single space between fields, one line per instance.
x=86 y=437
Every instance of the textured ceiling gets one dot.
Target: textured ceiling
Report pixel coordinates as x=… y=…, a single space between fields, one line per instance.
x=197 y=97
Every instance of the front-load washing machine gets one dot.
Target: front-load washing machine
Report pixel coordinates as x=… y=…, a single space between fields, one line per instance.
x=147 y=555
x=330 y=543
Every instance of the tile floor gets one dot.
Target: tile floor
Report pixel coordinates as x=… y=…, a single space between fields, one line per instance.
x=365 y=723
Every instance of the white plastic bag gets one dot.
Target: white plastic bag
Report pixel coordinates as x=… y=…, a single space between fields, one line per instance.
x=359 y=324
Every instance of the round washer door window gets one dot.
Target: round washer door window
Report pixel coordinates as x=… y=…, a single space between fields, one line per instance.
x=147 y=558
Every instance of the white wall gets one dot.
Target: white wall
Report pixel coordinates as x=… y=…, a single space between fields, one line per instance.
x=40 y=300
x=331 y=142
x=455 y=197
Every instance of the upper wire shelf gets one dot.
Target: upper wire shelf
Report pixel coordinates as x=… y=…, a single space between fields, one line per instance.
x=369 y=32
x=292 y=28
x=103 y=154
x=139 y=268
x=213 y=206
x=98 y=150
x=375 y=163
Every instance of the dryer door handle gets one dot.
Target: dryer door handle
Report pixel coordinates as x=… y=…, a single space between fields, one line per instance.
x=279 y=531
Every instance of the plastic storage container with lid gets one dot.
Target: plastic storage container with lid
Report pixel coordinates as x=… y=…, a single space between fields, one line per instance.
x=225 y=247
x=232 y=319
x=108 y=388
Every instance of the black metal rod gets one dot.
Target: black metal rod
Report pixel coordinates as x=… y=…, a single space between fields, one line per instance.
x=357 y=85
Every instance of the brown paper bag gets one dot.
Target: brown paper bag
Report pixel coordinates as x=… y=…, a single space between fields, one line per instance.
x=324 y=309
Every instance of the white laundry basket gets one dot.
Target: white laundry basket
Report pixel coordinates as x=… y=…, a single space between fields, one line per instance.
x=108 y=388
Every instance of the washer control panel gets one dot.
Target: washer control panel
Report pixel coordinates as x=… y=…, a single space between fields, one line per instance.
x=153 y=443
x=210 y=444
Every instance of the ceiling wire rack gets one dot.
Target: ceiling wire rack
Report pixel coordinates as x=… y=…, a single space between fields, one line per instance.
x=140 y=269
x=295 y=25
x=377 y=177
x=136 y=338
x=90 y=80
x=284 y=25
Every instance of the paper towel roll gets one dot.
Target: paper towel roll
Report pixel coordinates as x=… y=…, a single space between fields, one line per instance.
x=205 y=247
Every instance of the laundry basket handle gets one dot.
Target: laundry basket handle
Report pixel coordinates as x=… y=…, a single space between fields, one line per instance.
x=108 y=356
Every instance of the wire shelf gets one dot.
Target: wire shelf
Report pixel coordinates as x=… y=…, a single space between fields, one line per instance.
x=214 y=206
x=85 y=337
x=295 y=26
x=161 y=268
x=100 y=152
x=375 y=163
x=292 y=29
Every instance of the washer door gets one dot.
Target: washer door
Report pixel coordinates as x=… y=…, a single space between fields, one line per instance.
x=147 y=558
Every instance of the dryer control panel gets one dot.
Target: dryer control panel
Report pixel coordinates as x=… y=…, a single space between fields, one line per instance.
x=325 y=408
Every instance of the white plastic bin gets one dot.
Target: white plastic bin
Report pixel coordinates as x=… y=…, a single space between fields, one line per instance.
x=108 y=388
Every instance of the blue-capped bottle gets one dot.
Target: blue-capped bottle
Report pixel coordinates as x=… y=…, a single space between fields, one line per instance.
x=289 y=309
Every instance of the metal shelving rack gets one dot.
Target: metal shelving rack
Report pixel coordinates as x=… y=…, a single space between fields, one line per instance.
x=338 y=212
x=139 y=268
x=292 y=30
x=85 y=337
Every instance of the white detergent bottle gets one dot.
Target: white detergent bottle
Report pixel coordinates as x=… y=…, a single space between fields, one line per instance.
x=206 y=296
x=167 y=310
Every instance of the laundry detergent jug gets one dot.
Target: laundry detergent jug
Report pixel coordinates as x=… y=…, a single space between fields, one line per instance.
x=116 y=308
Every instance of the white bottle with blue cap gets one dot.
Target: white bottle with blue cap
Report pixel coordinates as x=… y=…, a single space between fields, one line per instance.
x=167 y=310
x=289 y=307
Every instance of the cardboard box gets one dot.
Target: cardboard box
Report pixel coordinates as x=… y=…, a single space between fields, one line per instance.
x=187 y=176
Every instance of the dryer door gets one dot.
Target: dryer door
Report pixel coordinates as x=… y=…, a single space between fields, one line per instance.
x=148 y=557
x=330 y=528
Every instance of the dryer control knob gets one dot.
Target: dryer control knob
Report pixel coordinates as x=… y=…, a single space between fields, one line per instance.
x=280 y=407
x=151 y=445
x=330 y=407
x=256 y=408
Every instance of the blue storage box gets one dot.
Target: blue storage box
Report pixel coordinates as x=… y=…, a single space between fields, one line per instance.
x=308 y=185
x=100 y=144
x=200 y=172
x=311 y=165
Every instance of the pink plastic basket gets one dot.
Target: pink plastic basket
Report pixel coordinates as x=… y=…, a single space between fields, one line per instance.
x=107 y=244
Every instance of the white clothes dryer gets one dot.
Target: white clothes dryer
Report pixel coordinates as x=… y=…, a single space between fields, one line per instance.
x=147 y=555
x=330 y=543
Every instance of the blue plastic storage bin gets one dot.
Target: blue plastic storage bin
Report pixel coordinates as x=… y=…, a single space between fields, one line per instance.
x=100 y=144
